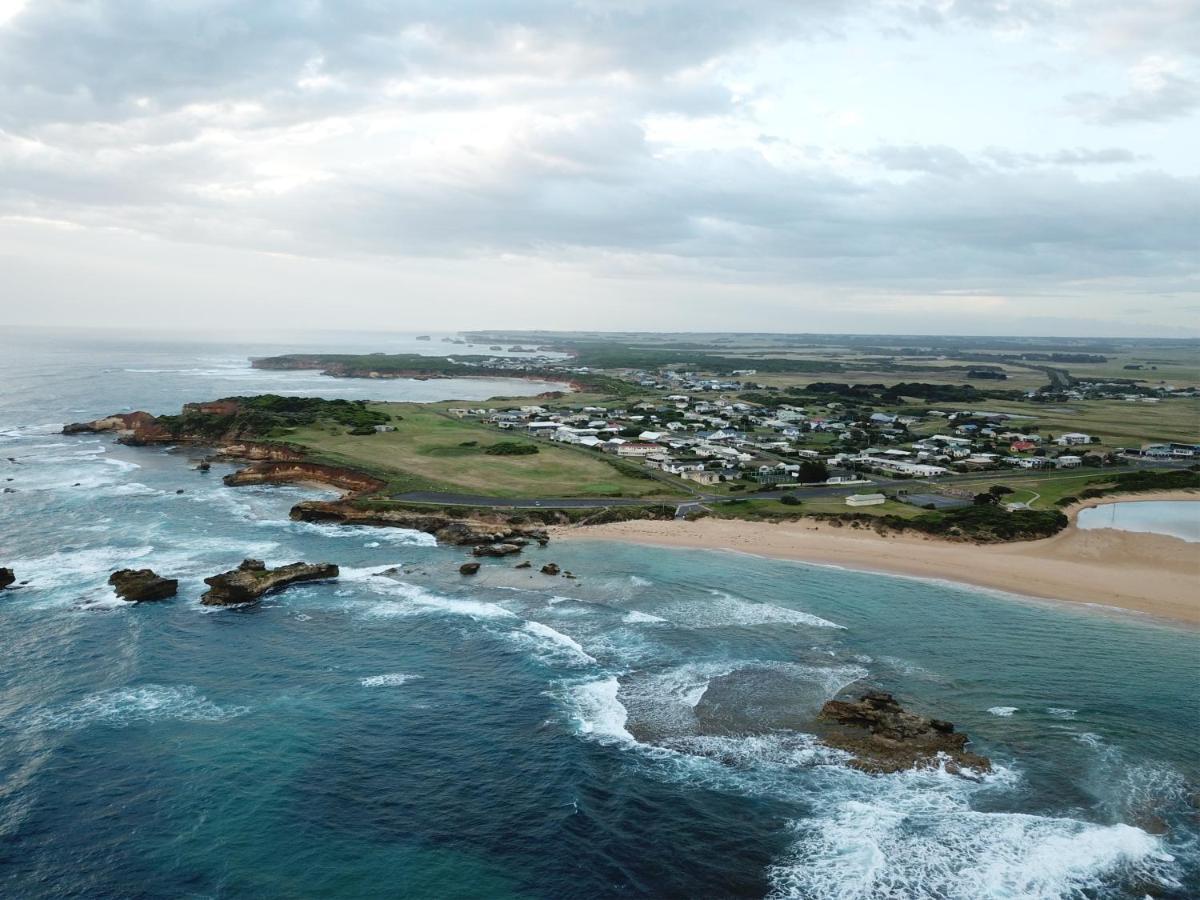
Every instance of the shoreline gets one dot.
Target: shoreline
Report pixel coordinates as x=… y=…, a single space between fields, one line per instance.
x=1139 y=572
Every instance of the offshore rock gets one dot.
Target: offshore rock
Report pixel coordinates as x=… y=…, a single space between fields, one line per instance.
x=468 y=568
x=551 y=569
x=142 y=585
x=252 y=579
x=496 y=549
x=6 y=578
x=884 y=737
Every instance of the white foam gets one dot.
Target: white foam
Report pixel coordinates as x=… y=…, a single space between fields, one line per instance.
x=730 y=610
x=123 y=465
x=641 y=618
x=1003 y=712
x=417 y=599
x=399 y=536
x=598 y=713
x=914 y=835
x=132 y=706
x=391 y=679
x=553 y=646
x=637 y=581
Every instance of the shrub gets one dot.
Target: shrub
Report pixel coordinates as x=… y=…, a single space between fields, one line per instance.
x=790 y=500
x=511 y=448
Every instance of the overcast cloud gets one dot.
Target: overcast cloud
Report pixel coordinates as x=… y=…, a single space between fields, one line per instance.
x=952 y=165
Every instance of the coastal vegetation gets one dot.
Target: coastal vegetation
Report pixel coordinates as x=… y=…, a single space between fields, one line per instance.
x=268 y=415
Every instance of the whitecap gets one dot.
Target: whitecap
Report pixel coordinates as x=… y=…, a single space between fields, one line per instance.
x=553 y=646
x=596 y=711
x=641 y=618
x=391 y=679
x=127 y=706
x=1003 y=712
x=730 y=610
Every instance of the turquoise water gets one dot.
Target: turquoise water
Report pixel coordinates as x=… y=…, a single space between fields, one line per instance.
x=637 y=733
x=1177 y=518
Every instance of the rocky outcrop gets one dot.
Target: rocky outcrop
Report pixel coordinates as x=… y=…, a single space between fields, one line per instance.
x=142 y=585
x=884 y=737
x=6 y=578
x=127 y=427
x=446 y=528
x=252 y=579
x=294 y=472
x=468 y=568
x=524 y=565
x=551 y=569
x=497 y=549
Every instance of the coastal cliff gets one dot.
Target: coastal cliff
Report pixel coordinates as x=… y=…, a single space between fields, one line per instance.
x=293 y=471
x=478 y=530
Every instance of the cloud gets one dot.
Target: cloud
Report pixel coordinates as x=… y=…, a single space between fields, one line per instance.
x=630 y=139
x=1160 y=89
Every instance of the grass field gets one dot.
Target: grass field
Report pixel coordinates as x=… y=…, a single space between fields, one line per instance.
x=432 y=451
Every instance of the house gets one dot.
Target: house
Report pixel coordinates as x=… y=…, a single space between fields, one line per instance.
x=1072 y=438
x=638 y=449
x=1021 y=446
x=865 y=499
x=702 y=476
x=383 y=428
x=1069 y=462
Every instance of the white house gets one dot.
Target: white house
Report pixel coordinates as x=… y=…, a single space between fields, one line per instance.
x=1072 y=438
x=635 y=448
x=1069 y=462
x=865 y=499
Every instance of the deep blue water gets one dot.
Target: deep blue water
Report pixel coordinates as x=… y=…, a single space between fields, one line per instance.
x=637 y=733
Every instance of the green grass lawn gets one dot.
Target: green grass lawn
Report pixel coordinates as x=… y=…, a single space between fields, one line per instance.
x=432 y=451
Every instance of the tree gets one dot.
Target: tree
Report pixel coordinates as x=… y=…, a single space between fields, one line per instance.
x=813 y=470
x=999 y=490
x=985 y=498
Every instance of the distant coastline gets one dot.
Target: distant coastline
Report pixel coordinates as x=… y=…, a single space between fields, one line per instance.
x=1144 y=573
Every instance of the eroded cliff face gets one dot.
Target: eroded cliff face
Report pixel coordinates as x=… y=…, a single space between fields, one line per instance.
x=132 y=428
x=480 y=530
x=260 y=451
x=295 y=471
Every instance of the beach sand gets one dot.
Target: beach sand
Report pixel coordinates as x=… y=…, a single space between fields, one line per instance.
x=1147 y=573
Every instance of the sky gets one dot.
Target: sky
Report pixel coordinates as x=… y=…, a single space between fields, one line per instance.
x=905 y=166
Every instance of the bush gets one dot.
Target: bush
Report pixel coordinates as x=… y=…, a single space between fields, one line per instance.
x=511 y=448
x=790 y=500
x=362 y=429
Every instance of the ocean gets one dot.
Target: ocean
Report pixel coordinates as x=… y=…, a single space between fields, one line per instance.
x=638 y=732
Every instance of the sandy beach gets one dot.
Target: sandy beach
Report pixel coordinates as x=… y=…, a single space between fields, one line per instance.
x=1147 y=573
